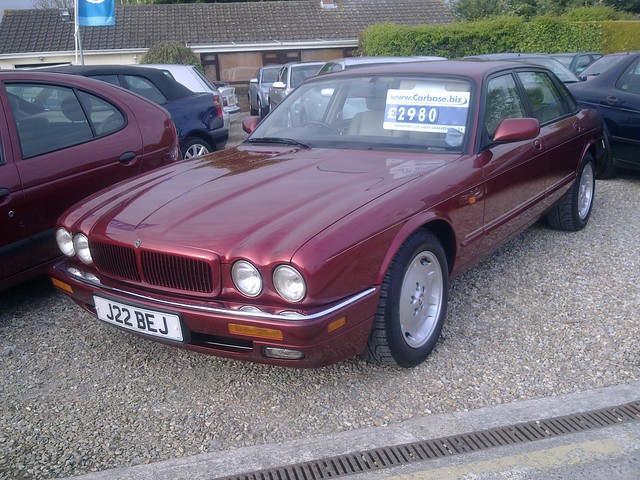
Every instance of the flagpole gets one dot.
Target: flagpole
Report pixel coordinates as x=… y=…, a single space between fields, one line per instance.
x=78 y=39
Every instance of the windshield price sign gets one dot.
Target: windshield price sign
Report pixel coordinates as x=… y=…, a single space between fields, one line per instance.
x=431 y=110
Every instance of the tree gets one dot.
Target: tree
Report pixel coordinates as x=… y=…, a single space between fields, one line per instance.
x=478 y=9
x=171 y=52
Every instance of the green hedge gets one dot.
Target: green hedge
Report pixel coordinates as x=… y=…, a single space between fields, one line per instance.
x=501 y=34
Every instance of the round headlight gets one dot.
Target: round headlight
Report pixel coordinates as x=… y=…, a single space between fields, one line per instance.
x=65 y=242
x=81 y=244
x=246 y=278
x=289 y=283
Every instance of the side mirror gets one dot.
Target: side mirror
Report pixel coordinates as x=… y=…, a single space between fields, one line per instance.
x=517 y=130
x=253 y=80
x=250 y=123
x=279 y=85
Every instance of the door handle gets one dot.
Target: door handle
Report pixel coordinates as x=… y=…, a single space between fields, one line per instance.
x=127 y=157
x=4 y=193
x=612 y=100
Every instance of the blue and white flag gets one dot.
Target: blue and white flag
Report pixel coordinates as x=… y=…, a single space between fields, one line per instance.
x=96 y=13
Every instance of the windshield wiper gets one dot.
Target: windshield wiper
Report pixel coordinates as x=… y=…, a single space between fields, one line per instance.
x=281 y=141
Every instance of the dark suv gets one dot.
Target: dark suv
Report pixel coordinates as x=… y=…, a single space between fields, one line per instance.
x=197 y=116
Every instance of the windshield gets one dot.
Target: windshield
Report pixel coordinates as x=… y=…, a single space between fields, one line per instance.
x=427 y=113
x=299 y=73
x=564 y=59
x=602 y=64
x=269 y=75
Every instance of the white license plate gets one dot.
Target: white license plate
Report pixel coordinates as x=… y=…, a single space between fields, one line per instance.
x=141 y=320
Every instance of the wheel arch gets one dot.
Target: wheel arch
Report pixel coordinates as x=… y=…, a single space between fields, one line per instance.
x=438 y=226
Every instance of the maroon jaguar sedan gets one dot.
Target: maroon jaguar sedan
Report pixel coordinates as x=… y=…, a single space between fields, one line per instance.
x=315 y=241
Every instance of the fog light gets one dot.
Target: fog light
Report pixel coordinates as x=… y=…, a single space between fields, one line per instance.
x=282 y=353
x=74 y=271
x=92 y=278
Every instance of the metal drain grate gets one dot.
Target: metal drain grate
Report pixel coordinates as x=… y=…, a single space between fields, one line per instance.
x=378 y=458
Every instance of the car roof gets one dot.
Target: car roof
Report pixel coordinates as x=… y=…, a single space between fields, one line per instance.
x=506 y=56
x=348 y=61
x=170 y=88
x=460 y=68
x=302 y=64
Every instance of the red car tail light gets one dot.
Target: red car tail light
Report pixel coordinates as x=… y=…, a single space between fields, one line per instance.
x=218 y=103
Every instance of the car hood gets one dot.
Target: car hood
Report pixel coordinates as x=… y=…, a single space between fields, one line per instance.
x=248 y=199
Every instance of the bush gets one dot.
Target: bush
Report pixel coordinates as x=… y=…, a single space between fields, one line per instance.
x=171 y=52
x=548 y=34
x=595 y=13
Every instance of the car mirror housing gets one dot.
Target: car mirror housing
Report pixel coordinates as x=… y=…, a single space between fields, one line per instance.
x=517 y=130
x=279 y=85
x=253 y=80
x=250 y=123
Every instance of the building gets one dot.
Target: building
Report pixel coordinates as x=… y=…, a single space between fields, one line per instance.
x=232 y=39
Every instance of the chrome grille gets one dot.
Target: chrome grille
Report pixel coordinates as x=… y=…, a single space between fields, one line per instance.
x=115 y=260
x=154 y=268
x=181 y=273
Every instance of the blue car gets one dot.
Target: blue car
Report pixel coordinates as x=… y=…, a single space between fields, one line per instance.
x=612 y=87
x=198 y=117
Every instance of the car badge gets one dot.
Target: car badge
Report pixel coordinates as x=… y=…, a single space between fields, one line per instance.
x=137 y=243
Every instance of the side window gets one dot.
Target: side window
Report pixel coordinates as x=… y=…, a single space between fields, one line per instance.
x=106 y=118
x=582 y=62
x=630 y=79
x=47 y=117
x=144 y=87
x=503 y=102
x=545 y=99
x=112 y=79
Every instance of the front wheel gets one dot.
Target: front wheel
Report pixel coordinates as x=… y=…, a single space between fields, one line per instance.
x=262 y=110
x=412 y=305
x=195 y=147
x=574 y=208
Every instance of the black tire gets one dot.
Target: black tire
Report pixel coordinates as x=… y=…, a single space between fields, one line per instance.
x=262 y=110
x=607 y=169
x=195 y=147
x=406 y=327
x=253 y=111
x=573 y=210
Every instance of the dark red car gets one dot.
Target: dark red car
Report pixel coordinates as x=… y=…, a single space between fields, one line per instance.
x=314 y=241
x=64 y=138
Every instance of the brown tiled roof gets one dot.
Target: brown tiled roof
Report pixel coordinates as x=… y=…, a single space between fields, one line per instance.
x=26 y=31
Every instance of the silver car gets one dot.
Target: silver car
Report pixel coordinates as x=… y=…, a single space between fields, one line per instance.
x=290 y=76
x=258 y=92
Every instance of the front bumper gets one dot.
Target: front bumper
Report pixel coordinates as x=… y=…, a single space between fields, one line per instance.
x=318 y=337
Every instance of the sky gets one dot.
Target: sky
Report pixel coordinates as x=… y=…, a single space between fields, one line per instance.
x=14 y=4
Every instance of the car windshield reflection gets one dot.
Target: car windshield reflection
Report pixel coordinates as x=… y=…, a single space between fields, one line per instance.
x=373 y=112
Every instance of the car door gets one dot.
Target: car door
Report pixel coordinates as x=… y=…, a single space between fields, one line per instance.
x=67 y=143
x=278 y=88
x=515 y=172
x=622 y=103
x=14 y=246
x=555 y=109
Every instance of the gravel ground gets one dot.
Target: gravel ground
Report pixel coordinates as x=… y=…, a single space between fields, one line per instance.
x=550 y=313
